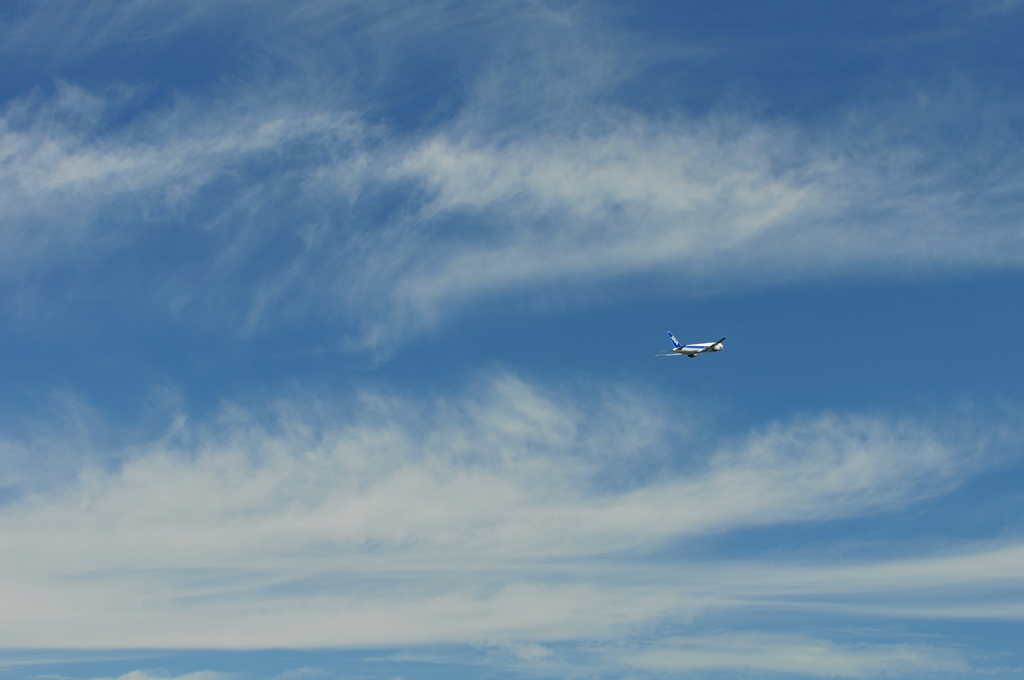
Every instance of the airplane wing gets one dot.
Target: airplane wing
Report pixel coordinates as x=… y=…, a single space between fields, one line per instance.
x=674 y=354
x=708 y=348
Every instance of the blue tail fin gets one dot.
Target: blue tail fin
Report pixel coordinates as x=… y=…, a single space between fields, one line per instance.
x=674 y=341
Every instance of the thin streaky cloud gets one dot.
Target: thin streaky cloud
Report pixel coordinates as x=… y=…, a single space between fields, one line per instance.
x=56 y=165
x=155 y=675
x=399 y=228
x=457 y=512
x=985 y=8
x=91 y=25
x=510 y=470
x=756 y=652
x=712 y=654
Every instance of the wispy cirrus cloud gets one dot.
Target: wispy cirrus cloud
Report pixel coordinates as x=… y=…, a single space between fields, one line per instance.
x=151 y=675
x=726 y=199
x=293 y=193
x=989 y=7
x=720 y=201
x=508 y=515
x=90 y=25
x=798 y=655
x=64 y=170
x=746 y=653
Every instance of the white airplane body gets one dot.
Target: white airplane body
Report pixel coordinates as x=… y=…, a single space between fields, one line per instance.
x=693 y=350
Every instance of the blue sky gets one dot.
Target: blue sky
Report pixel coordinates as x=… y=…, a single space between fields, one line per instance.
x=327 y=336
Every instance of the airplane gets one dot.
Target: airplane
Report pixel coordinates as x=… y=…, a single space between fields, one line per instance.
x=692 y=350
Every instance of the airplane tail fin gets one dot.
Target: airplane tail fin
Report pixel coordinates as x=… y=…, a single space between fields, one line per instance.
x=674 y=341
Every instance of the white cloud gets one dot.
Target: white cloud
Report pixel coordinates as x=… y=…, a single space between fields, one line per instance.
x=996 y=7
x=296 y=204
x=301 y=673
x=755 y=652
x=488 y=518
x=89 y=25
x=60 y=169
x=156 y=675
x=640 y=197
x=151 y=675
x=716 y=199
x=515 y=473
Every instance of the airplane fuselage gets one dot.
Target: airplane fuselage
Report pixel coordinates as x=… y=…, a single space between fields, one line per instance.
x=694 y=350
